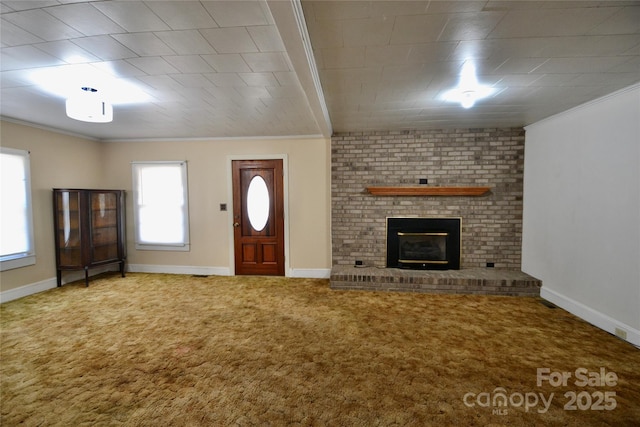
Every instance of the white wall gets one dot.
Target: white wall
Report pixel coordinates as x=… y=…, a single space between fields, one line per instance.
x=581 y=219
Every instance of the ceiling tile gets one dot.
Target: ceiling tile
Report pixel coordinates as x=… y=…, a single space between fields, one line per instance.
x=329 y=33
x=262 y=62
x=161 y=83
x=189 y=64
x=624 y=21
x=418 y=28
x=42 y=25
x=236 y=13
x=285 y=91
x=186 y=42
x=228 y=62
x=266 y=38
x=519 y=65
x=230 y=40
x=259 y=79
x=579 y=65
x=119 y=68
x=631 y=65
x=501 y=48
x=439 y=7
x=340 y=10
x=19 y=57
x=153 y=65
x=516 y=80
x=67 y=51
x=430 y=52
x=555 y=79
x=133 y=16
x=12 y=35
x=384 y=55
x=470 y=26
x=226 y=79
x=192 y=80
x=253 y=92
x=286 y=78
x=590 y=45
x=85 y=18
x=144 y=44
x=551 y=22
x=367 y=32
x=182 y=15
x=399 y=7
x=104 y=47
x=349 y=57
x=31 y=4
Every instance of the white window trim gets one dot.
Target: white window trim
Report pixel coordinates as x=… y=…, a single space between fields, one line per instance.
x=22 y=259
x=186 y=246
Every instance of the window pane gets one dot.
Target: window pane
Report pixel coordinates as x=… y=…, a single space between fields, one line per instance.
x=258 y=203
x=15 y=218
x=161 y=211
x=16 y=226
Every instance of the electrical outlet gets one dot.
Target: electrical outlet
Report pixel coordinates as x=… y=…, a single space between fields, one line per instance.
x=491 y=264
x=358 y=263
x=621 y=333
x=223 y=206
x=423 y=181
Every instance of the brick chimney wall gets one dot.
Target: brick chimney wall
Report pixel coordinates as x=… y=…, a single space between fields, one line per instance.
x=491 y=224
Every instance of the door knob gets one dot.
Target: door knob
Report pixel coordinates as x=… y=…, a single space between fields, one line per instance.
x=236 y=224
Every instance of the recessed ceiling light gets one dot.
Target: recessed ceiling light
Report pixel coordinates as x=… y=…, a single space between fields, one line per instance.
x=468 y=90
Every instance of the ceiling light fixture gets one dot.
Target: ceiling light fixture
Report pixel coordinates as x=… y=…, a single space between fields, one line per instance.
x=87 y=106
x=468 y=90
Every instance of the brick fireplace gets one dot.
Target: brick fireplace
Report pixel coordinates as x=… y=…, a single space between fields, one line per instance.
x=491 y=223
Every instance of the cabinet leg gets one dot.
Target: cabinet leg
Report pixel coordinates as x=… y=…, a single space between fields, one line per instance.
x=86 y=277
x=59 y=277
x=122 y=268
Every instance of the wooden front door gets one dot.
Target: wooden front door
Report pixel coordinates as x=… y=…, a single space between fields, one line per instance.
x=258 y=217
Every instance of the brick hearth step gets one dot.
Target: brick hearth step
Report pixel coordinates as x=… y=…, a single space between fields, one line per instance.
x=484 y=281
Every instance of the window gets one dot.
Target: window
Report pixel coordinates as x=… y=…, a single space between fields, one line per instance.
x=16 y=241
x=160 y=206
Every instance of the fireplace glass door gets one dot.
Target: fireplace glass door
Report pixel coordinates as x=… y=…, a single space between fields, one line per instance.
x=422 y=248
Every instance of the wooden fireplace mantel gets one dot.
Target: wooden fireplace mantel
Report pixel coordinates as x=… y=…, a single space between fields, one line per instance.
x=424 y=190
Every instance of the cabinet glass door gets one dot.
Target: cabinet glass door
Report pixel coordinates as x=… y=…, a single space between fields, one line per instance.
x=69 y=232
x=104 y=226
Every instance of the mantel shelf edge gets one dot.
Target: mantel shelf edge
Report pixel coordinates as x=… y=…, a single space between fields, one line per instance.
x=427 y=191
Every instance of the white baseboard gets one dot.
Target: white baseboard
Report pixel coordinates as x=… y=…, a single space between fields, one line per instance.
x=26 y=290
x=45 y=285
x=179 y=269
x=310 y=273
x=590 y=315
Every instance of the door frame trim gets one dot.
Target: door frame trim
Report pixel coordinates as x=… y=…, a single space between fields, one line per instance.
x=285 y=189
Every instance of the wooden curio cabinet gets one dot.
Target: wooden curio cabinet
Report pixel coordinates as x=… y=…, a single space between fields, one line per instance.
x=89 y=229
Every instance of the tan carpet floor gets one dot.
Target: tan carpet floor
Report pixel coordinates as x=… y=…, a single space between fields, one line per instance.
x=169 y=350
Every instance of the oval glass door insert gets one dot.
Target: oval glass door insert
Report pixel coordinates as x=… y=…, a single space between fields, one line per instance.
x=258 y=203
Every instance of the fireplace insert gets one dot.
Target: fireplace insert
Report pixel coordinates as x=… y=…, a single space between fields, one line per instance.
x=424 y=243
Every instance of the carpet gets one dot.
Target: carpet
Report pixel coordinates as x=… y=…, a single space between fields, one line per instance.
x=171 y=350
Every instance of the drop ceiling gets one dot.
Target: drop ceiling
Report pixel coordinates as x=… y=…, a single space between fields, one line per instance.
x=225 y=69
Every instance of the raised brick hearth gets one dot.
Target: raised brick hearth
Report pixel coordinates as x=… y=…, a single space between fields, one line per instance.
x=482 y=281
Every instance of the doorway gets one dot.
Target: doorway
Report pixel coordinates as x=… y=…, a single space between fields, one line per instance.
x=258 y=217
